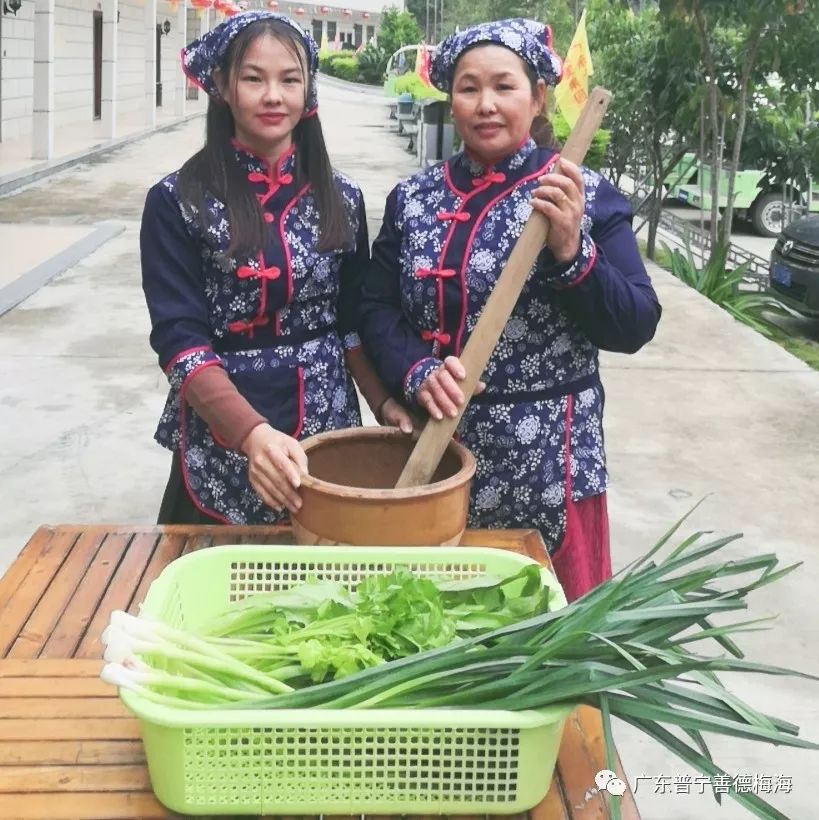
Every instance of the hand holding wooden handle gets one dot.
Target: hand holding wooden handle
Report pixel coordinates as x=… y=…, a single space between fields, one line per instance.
x=433 y=441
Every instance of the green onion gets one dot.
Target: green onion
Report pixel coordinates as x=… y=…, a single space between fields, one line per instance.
x=624 y=648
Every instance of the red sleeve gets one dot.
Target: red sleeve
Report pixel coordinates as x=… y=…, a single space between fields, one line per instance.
x=215 y=398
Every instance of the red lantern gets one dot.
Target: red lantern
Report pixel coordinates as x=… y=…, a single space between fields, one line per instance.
x=348 y=12
x=272 y=4
x=201 y=4
x=325 y=9
x=365 y=15
x=300 y=11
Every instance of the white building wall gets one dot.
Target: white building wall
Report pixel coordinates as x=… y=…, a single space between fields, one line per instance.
x=130 y=57
x=74 y=62
x=17 y=71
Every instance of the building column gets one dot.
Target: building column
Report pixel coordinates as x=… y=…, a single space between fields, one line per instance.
x=150 y=63
x=109 y=67
x=42 y=143
x=182 y=81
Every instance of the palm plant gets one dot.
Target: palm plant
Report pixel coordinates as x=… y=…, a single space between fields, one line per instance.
x=722 y=286
x=372 y=62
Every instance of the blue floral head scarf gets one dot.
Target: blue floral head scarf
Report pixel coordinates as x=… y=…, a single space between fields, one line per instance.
x=201 y=57
x=530 y=40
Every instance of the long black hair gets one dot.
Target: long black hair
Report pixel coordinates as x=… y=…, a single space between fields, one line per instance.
x=215 y=170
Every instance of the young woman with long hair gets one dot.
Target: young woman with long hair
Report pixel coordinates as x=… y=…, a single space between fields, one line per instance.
x=253 y=255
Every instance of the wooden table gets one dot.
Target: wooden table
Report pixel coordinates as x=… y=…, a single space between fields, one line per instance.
x=69 y=749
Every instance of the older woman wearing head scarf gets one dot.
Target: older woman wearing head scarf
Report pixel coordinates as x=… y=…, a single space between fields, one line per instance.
x=536 y=429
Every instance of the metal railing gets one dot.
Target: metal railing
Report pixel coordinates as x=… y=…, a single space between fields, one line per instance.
x=686 y=234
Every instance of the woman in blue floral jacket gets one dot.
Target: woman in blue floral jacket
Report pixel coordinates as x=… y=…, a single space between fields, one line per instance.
x=252 y=260
x=536 y=429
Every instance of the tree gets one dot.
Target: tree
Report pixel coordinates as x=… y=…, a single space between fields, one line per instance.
x=557 y=13
x=740 y=43
x=782 y=139
x=653 y=79
x=421 y=10
x=398 y=28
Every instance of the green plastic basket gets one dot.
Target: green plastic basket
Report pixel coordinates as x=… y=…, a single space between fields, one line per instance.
x=317 y=761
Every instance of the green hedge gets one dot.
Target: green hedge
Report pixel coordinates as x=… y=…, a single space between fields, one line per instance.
x=411 y=83
x=340 y=64
x=327 y=57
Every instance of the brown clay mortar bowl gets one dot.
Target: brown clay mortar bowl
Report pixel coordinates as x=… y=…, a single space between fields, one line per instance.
x=349 y=496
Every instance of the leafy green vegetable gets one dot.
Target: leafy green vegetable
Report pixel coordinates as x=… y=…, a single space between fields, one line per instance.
x=321 y=630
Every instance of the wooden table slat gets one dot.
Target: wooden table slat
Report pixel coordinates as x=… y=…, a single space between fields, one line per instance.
x=71 y=752
x=61 y=707
x=39 y=544
x=56 y=598
x=197 y=542
x=83 y=806
x=628 y=805
x=535 y=547
x=22 y=596
x=158 y=552
x=50 y=667
x=510 y=540
x=46 y=688
x=581 y=758
x=74 y=779
x=125 y=585
x=553 y=806
x=79 y=612
x=71 y=729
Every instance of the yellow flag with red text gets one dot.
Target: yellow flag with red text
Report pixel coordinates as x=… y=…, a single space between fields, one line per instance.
x=572 y=91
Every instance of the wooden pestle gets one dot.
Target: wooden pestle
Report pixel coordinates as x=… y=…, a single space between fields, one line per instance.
x=436 y=435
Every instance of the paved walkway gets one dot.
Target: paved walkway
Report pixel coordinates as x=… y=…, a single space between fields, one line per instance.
x=709 y=407
x=78 y=139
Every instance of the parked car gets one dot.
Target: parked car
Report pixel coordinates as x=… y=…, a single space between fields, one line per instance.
x=754 y=198
x=794 y=271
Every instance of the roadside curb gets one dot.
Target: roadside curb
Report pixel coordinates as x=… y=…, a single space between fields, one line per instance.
x=31 y=281
x=19 y=179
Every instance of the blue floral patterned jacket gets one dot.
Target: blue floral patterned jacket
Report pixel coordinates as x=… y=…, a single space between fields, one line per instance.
x=278 y=322
x=537 y=430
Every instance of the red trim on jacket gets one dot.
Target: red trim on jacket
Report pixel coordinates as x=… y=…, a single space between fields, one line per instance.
x=479 y=185
x=478 y=221
x=186 y=352
x=285 y=211
x=587 y=268
x=185 y=478
x=300 y=424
